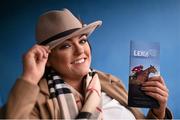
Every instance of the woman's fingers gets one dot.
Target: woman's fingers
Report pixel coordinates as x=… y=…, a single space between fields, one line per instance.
x=155 y=84
x=157 y=78
x=158 y=97
x=45 y=50
x=40 y=52
x=156 y=88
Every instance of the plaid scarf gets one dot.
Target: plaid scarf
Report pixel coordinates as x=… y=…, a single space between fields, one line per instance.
x=71 y=103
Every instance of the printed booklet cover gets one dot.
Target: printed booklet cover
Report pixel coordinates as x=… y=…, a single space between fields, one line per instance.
x=144 y=63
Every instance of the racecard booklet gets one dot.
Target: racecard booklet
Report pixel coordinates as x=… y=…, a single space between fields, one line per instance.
x=144 y=63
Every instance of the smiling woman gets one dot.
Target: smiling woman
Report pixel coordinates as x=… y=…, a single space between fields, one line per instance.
x=58 y=82
x=71 y=59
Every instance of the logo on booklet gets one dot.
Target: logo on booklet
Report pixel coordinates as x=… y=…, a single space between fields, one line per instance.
x=144 y=53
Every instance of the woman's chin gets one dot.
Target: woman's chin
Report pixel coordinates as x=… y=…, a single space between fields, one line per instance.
x=82 y=72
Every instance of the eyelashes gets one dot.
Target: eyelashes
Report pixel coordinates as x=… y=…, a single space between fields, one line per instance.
x=83 y=41
x=67 y=45
x=64 y=46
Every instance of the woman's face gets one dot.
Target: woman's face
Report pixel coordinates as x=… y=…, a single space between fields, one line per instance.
x=72 y=58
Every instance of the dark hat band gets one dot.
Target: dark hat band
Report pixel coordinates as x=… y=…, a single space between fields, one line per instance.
x=57 y=36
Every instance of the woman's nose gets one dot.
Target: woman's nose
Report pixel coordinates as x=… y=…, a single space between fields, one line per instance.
x=79 y=49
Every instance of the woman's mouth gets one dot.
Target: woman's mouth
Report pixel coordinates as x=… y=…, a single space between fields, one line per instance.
x=79 y=61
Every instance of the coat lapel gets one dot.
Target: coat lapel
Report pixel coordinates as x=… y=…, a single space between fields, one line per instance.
x=44 y=87
x=51 y=104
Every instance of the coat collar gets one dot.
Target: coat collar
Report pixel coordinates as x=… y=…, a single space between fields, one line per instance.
x=44 y=86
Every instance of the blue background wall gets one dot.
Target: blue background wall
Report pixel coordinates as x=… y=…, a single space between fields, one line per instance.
x=123 y=20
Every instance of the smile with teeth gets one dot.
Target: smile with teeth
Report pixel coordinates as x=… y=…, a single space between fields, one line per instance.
x=79 y=61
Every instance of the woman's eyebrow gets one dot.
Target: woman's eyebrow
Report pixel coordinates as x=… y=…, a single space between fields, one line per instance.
x=82 y=36
x=79 y=37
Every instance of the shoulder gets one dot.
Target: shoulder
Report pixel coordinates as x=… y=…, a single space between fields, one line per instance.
x=109 y=76
x=110 y=79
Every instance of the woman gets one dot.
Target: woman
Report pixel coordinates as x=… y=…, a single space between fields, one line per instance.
x=57 y=81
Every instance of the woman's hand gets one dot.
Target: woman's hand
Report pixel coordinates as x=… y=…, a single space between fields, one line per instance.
x=156 y=88
x=34 y=62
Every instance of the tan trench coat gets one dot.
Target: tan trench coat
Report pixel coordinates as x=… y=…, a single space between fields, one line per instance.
x=32 y=101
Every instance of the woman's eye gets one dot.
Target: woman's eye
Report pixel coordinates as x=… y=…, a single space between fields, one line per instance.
x=65 y=46
x=83 y=41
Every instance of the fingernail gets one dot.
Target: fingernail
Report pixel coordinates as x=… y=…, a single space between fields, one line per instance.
x=48 y=47
x=46 y=55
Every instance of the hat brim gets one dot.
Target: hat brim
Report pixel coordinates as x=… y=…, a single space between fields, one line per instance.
x=88 y=29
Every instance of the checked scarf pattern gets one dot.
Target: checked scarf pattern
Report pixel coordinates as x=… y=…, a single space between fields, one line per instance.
x=71 y=103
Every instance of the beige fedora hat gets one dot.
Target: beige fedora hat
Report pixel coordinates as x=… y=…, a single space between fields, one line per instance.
x=56 y=26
